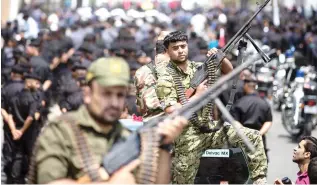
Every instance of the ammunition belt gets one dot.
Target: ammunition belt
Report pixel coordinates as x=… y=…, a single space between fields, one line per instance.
x=180 y=91
x=32 y=173
x=90 y=166
x=150 y=142
x=208 y=115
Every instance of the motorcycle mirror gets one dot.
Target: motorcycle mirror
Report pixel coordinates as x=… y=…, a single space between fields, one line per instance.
x=282 y=58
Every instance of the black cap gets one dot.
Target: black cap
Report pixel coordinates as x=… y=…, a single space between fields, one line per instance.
x=17 y=69
x=73 y=59
x=90 y=37
x=87 y=47
x=140 y=53
x=26 y=67
x=134 y=65
x=35 y=43
x=78 y=66
x=82 y=80
x=32 y=76
x=130 y=46
x=202 y=45
x=250 y=79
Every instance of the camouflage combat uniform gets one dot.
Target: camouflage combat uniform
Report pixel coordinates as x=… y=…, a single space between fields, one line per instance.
x=191 y=144
x=147 y=101
x=145 y=82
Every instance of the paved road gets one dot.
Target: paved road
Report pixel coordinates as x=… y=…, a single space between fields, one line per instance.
x=281 y=151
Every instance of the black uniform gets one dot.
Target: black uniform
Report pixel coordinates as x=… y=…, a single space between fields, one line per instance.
x=252 y=111
x=70 y=95
x=225 y=96
x=10 y=90
x=18 y=152
x=7 y=62
x=41 y=68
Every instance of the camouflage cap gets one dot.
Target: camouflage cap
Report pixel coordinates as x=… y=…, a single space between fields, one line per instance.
x=112 y=71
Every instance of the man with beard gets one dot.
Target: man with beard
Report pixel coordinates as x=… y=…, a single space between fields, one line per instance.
x=190 y=146
x=145 y=81
x=303 y=153
x=95 y=128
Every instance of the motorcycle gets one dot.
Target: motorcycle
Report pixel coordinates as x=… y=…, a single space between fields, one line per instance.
x=265 y=79
x=309 y=102
x=264 y=73
x=299 y=109
x=282 y=79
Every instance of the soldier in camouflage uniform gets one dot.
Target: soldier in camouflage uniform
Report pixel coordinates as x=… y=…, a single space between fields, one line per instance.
x=145 y=81
x=192 y=142
x=58 y=156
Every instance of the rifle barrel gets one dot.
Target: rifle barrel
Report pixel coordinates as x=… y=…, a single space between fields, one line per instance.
x=246 y=25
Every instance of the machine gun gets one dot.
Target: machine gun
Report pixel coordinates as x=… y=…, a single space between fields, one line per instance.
x=145 y=139
x=202 y=72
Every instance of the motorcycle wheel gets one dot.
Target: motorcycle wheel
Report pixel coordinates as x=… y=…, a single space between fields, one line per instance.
x=288 y=121
x=276 y=103
x=306 y=128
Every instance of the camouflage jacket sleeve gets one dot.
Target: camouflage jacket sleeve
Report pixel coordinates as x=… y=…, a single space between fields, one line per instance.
x=166 y=91
x=52 y=154
x=145 y=84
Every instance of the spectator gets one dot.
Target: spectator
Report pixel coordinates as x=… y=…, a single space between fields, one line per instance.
x=303 y=155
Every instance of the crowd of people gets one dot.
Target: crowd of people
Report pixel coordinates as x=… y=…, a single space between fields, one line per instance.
x=86 y=66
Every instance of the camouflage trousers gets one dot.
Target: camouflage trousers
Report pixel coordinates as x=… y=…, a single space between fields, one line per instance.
x=190 y=146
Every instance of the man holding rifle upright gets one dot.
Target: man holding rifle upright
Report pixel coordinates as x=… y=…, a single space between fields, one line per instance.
x=196 y=138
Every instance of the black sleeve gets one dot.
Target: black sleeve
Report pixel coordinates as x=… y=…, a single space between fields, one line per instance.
x=268 y=116
x=48 y=73
x=63 y=103
x=3 y=99
x=33 y=108
x=236 y=112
